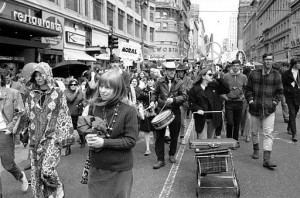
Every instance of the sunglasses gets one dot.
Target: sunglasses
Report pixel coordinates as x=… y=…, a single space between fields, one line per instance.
x=73 y=85
x=210 y=74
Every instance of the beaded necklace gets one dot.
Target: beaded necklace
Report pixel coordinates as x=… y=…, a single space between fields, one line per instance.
x=110 y=125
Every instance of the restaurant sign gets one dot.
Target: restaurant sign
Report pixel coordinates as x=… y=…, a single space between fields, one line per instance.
x=33 y=20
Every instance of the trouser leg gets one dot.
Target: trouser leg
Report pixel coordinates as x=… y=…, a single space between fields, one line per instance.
x=182 y=121
x=210 y=129
x=285 y=109
x=160 y=144
x=229 y=119
x=237 y=116
x=293 y=110
x=174 y=127
x=255 y=126
x=268 y=128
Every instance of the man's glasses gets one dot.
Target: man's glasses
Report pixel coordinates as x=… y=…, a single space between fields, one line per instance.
x=210 y=74
x=73 y=85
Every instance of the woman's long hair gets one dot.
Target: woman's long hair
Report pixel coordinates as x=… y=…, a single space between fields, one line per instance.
x=114 y=80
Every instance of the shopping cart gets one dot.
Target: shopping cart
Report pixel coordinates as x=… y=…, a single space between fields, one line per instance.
x=214 y=159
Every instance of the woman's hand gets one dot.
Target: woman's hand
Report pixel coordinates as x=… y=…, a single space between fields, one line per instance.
x=200 y=112
x=94 y=141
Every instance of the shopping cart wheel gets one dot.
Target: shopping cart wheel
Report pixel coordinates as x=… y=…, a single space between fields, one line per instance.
x=236 y=184
x=198 y=180
x=197 y=191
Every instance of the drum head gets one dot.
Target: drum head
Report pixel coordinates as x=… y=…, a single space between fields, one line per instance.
x=161 y=116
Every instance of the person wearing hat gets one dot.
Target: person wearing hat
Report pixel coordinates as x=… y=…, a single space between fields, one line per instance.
x=181 y=72
x=169 y=93
x=205 y=96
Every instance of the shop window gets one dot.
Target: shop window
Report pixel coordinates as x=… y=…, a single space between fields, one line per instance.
x=137 y=7
x=98 y=7
x=137 y=28
x=120 y=19
x=54 y=1
x=157 y=26
x=129 y=24
x=110 y=13
x=165 y=26
x=165 y=14
x=157 y=14
x=73 y=5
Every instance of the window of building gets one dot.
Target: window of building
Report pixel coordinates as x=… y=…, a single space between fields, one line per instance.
x=121 y=15
x=145 y=32
x=86 y=7
x=129 y=4
x=157 y=26
x=151 y=13
x=137 y=28
x=157 y=14
x=165 y=14
x=137 y=7
x=165 y=26
x=129 y=24
x=151 y=34
x=110 y=13
x=98 y=8
x=72 y=5
x=54 y=1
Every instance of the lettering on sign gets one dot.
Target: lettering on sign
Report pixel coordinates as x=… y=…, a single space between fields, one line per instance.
x=33 y=20
x=129 y=50
x=75 y=38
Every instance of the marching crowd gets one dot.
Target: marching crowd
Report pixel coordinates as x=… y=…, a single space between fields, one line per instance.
x=109 y=108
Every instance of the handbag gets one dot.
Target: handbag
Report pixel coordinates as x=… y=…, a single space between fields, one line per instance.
x=86 y=169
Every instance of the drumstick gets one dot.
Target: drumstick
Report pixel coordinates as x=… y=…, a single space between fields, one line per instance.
x=210 y=112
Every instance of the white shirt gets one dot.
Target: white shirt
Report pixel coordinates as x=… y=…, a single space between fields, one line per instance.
x=2 y=122
x=295 y=73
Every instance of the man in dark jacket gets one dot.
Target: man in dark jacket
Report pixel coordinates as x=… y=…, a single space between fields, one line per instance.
x=291 y=86
x=263 y=92
x=169 y=94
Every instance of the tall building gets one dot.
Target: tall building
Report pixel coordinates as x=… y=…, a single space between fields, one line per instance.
x=171 y=29
x=244 y=15
x=194 y=32
x=225 y=44
x=232 y=34
x=57 y=30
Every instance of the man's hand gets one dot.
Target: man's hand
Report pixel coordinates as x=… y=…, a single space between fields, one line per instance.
x=251 y=101
x=201 y=112
x=151 y=105
x=7 y=132
x=169 y=101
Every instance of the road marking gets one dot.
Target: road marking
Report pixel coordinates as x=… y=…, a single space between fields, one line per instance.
x=172 y=174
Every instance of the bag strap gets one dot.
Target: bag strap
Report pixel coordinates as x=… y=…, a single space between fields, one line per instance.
x=92 y=110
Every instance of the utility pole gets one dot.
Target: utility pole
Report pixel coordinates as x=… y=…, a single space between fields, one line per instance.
x=143 y=4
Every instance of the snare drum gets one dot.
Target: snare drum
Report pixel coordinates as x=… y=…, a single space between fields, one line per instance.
x=163 y=119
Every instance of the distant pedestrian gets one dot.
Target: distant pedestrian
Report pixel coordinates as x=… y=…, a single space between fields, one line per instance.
x=291 y=86
x=263 y=93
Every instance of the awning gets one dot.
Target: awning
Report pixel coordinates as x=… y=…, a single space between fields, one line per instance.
x=22 y=42
x=77 y=55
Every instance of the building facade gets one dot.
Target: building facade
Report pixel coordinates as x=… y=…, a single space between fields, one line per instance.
x=244 y=14
x=171 y=30
x=83 y=27
x=232 y=33
x=295 y=29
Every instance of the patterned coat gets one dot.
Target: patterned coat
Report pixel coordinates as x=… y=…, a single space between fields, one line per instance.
x=265 y=90
x=50 y=128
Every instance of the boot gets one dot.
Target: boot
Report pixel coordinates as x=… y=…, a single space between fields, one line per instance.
x=267 y=163
x=82 y=141
x=68 y=150
x=255 y=154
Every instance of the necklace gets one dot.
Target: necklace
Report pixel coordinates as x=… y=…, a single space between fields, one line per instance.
x=109 y=125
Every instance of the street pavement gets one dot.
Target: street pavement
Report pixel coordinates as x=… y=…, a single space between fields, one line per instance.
x=179 y=180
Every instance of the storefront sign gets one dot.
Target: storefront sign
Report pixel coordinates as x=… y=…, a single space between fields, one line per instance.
x=27 y=18
x=12 y=58
x=72 y=37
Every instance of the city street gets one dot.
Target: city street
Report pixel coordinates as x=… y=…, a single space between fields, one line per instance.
x=179 y=180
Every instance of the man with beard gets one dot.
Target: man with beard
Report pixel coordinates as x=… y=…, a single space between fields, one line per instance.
x=171 y=94
x=263 y=93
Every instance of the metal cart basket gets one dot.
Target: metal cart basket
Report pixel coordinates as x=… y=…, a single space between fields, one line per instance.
x=214 y=159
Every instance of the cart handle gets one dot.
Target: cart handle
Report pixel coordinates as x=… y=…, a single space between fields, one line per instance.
x=213 y=145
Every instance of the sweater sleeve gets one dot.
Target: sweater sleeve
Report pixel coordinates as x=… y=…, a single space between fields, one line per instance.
x=129 y=135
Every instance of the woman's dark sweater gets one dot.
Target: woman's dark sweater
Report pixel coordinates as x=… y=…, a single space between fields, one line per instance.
x=116 y=154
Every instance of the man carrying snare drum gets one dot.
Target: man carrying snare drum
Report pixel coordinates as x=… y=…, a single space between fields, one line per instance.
x=169 y=94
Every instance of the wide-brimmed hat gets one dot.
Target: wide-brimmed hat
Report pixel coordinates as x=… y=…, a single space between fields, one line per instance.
x=181 y=67
x=170 y=65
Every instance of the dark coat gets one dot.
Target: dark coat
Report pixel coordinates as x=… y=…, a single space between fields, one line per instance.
x=290 y=92
x=201 y=99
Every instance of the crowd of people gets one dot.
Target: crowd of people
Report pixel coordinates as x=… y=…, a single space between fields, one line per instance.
x=109 y=108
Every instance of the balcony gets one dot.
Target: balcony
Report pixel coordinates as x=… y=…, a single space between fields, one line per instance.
x=166 y=4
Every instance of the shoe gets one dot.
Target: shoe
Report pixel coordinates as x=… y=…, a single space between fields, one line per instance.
x=242 y=133
x=167 y=140
x=294 y=138
x=289 y=131
x=60 y=193
x=147 y=153
x=255 y=154
x=286 y=120
x=68 y=150
x=159 y=164
x=28 y=167
x=25 y=145
x=267 y=163
x=24 y=186
x=183 y=142
x=82 y=146
x=172 y=159
x=247 y=138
